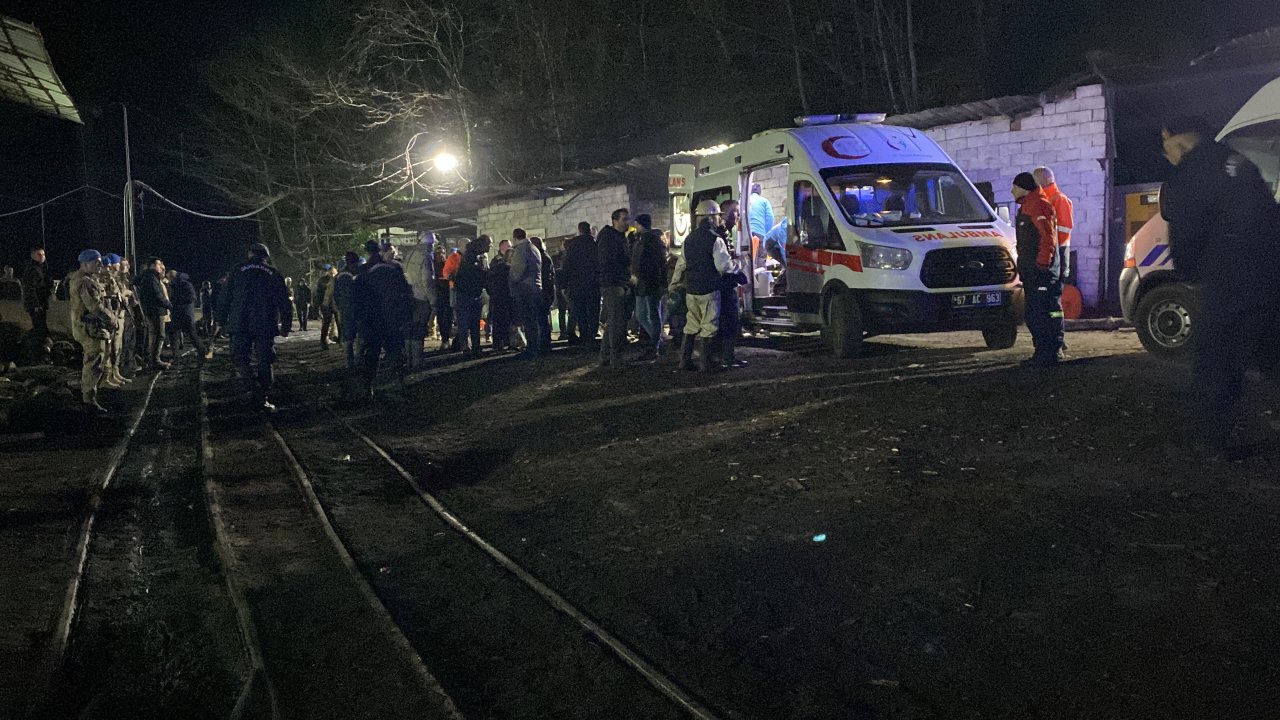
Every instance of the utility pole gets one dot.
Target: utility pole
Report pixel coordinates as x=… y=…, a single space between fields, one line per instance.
x=130 y=238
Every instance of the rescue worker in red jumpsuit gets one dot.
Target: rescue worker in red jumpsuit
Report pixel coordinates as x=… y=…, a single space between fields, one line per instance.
x=1040 y=269
x=1065 y=212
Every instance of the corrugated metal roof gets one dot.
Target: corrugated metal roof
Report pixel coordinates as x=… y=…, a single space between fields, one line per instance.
x=26 y=72
x=1010 y=106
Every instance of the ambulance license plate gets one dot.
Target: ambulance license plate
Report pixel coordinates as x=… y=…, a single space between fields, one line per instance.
x=981 y=299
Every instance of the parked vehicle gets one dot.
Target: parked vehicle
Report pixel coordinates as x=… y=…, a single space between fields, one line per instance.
x=857 y=229
x=1160 y=305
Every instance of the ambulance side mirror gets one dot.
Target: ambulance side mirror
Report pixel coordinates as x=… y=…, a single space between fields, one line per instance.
x=1160 y=201
x=1003 y=212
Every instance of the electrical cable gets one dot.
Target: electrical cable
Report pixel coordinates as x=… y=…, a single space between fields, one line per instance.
x=206 y=216
x=37 y=206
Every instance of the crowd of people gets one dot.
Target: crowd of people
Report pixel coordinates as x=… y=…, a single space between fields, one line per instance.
x=605 y=288
x=122 y=321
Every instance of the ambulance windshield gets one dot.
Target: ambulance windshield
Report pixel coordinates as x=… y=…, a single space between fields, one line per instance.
x=905 y=194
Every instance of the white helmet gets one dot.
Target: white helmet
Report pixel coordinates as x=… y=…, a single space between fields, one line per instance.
x=707 y=207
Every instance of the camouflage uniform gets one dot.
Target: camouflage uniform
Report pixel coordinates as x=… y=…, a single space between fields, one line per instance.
x=87 y=298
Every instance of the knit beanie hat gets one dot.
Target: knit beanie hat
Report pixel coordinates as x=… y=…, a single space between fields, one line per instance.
x=1026 y=181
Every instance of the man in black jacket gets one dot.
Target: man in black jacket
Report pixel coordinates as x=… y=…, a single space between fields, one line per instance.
x=155 y=306
x=183 y=299
x=384 y=309
x=582 y=285
x=36 y=288
x=302 y=303
x=615 y=276
x=255 y=309
x=649 y=275
x=1223 y=236
x=500 y=302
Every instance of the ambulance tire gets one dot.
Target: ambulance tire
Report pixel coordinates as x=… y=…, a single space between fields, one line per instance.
x=844 y=325
x=1001 y=336
x=1165 y=320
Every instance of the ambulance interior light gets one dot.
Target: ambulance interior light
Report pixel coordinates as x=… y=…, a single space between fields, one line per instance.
x=808 y=120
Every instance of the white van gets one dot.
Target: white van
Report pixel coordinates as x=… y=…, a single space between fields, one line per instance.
x=1161 y=307
x=857 y=229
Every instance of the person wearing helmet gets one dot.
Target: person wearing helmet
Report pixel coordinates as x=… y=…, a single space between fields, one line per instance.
x=702 y=264
x=91 y=325
x=614 y=267
x=113 y=300
x=255 y=309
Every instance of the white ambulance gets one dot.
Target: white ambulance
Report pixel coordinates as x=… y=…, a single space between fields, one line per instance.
x=1161 y=307
x=856 y=228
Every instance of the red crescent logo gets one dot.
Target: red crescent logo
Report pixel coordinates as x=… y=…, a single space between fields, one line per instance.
x=829 y=147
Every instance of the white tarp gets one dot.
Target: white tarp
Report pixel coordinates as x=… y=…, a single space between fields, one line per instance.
x=26 y=72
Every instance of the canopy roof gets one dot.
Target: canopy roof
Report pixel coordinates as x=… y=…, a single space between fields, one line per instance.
x=1263 y=107
x=26 y=72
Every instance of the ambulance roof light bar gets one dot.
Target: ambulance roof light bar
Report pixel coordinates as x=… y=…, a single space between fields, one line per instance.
x=808 y=120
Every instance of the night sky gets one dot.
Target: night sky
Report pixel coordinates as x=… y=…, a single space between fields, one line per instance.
x=150 y=54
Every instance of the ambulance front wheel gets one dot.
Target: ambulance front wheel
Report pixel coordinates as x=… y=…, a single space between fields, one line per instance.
x=844 y=326
x=1002 y=335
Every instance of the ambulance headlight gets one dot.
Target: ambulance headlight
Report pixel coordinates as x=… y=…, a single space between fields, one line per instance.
x=883 y=257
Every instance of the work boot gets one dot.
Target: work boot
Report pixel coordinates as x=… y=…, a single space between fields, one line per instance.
x=704 y=354
x=108 y=382
x=686 y=353
x=730 y=355
x=121 y=379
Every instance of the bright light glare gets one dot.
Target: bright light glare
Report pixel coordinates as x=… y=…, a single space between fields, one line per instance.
x=448 y=162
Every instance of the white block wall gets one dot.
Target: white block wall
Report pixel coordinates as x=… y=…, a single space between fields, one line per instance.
x=595 y=206
x=1070 y=137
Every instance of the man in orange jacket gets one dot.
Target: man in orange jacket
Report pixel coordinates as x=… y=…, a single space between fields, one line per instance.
x=1040 y=269
x=1063 y=209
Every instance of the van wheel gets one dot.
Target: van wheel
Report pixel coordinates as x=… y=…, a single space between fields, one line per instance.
x=844 y=326
x=1001 y=336
x=1165 y=319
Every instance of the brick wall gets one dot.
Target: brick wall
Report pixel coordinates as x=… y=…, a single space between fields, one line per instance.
x=1068 y=135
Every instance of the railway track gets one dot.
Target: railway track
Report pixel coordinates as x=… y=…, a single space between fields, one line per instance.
x=63 y=626
x=137 y=628
x=319 y=641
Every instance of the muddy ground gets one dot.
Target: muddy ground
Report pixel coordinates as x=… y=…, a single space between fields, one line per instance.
x=925 y=532
x=811 y=538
